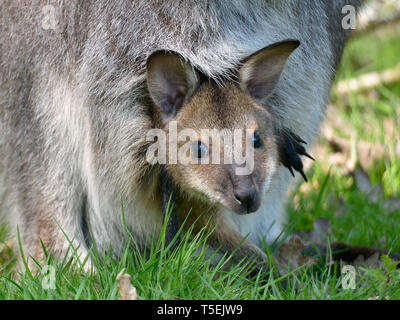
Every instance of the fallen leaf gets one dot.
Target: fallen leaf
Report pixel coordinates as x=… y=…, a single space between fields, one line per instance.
x=290 y=255
x=125 y=288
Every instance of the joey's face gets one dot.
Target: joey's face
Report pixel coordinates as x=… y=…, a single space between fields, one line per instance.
x=221 y=138
x=227 y=150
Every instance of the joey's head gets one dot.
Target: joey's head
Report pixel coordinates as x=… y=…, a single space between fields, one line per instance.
x=219 y=141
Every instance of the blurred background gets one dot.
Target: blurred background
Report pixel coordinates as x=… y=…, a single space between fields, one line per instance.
x=354 y=194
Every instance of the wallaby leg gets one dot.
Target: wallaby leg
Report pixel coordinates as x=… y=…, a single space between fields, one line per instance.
x=49 y=229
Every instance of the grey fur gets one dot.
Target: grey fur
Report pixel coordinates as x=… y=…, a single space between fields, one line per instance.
x=74 y=107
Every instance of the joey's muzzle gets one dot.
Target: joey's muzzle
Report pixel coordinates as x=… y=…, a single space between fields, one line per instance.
x=249 y=200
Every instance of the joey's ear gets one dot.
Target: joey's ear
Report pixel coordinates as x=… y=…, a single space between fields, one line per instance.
x=171 y=82
x=260 y=72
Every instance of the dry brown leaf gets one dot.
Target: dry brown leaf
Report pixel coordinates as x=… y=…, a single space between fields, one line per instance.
x=125 y=288
x=290 y=255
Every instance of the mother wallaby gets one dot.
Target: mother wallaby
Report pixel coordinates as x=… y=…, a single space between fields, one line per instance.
x=74 y=105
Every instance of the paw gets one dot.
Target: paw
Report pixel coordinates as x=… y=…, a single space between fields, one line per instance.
x=290 y=148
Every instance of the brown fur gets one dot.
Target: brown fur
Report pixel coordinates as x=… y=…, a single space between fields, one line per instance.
x=238 y=111
x=205 y=190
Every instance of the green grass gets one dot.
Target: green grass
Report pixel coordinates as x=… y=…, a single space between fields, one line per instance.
x=187 y=273
x=183 y=274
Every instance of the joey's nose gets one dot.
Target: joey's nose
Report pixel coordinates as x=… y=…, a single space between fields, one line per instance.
x=249 y=199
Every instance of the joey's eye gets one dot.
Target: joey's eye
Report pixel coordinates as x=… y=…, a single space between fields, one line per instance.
x=199 y=150
x=257 y=141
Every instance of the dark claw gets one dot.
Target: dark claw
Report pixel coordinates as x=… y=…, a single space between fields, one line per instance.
x=290 y=150
x=302 y=151
x=297 y=138
x=308 y=156
x=303 y=175
x=291 y=170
